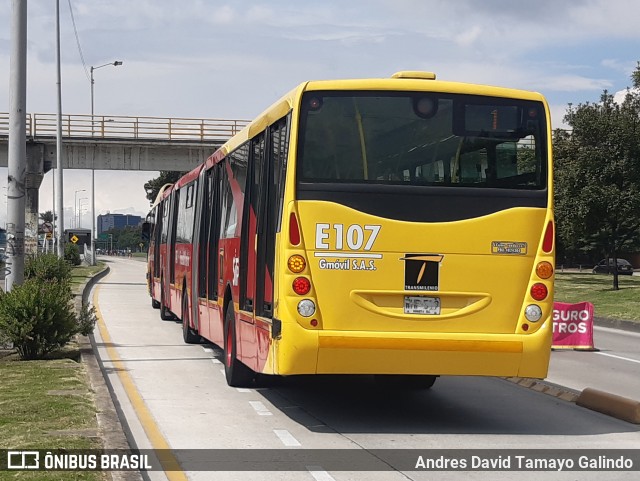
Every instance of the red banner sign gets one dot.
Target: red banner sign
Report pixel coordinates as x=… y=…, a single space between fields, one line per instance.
x=572 y=325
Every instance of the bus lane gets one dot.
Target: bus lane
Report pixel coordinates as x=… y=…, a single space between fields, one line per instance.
x=174 y=395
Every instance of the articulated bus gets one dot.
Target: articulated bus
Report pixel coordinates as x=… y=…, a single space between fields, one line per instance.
x=398 y=227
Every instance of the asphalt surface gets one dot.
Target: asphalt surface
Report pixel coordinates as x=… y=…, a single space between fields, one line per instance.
x=190 y=408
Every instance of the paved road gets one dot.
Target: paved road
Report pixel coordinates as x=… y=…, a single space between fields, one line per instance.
x=614 y=368
x=175 y=395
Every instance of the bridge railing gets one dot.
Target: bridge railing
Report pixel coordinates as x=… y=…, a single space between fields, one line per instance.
x=114 y=126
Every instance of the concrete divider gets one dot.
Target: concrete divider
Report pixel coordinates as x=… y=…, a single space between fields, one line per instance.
x=611 y=404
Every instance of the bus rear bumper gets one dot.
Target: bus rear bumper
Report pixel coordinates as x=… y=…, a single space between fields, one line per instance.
x=362 y=352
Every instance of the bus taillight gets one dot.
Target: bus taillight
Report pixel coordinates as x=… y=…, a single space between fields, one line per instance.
x=547 y=243
x=544 y=270
x=294 y=230
x=539 y=291
x=307 y=308
x=301 y=286
x=296 y=263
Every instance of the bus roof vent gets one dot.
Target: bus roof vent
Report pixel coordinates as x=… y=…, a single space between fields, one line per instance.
x=414 y=74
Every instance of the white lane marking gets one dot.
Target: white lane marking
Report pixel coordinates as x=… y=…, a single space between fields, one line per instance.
x=260 y=408
x=216 y=361
x=286 y=437
x=243 y=389
x=626 y=334
x=207 y=349
x=222 y=372
x=319 y=474
x=618 y=357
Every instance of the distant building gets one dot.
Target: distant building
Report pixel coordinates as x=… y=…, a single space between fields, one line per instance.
x=107 y=222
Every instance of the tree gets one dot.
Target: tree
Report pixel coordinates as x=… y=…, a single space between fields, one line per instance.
x=47 y=216
x=154 y=185
x=129 y=237
x=597 y=172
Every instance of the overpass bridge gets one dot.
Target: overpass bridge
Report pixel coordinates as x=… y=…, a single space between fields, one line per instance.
x=110 y=142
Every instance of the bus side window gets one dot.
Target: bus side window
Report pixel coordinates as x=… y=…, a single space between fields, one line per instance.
x=229 y=214
x=214 y=232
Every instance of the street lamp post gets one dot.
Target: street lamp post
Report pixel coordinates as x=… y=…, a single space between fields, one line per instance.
x=75 y=205
x=80 y=205
x=93 y=170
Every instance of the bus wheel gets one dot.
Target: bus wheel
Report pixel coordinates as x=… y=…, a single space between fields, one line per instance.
x=405 y=381
x=165 y=314
x=237 y=374
x=155 y=304
x=189 y=335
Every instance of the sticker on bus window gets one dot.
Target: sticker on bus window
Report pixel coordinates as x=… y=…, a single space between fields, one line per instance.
x=422 y=272
x=509 y=248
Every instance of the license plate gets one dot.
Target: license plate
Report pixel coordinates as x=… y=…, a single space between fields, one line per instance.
x=421 y=305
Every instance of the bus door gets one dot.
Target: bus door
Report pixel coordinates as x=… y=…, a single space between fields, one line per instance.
x=208 y=252
x=171 y=247
x=157 y=236
x=269 y=213
x=250 y=219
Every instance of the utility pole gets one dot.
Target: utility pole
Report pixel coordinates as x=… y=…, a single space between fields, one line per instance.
x=17 y=146
x=59 y=171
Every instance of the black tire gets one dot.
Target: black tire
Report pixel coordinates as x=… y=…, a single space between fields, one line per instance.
x=155 y=304
x=237 y=373
x=165 y=313
x=405 y=381
x=189 y=335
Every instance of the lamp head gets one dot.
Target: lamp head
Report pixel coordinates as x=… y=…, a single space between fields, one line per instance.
x=116 y=63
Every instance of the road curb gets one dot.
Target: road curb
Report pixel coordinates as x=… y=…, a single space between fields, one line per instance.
x=547 y=388
x=112 y=432
x=611 y=404
x=603 y=402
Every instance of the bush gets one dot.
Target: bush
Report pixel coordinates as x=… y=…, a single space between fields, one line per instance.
x=38 y=317
x=47 y=267
x=72 y=254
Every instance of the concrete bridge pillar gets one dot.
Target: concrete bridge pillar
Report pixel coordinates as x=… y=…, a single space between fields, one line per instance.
x=33 y=179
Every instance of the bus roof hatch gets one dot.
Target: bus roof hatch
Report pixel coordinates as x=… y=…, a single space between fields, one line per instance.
x=414 y=74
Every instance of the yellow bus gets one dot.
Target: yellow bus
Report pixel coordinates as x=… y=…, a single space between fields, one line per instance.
x=398 y=227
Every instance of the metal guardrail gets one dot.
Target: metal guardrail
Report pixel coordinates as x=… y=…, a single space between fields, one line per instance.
x=114 y=126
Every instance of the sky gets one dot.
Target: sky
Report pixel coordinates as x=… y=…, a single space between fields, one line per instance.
x=228 y=59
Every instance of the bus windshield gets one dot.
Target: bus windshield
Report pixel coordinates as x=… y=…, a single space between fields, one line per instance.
x=422 y=138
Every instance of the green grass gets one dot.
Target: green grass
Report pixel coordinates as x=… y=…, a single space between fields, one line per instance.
x=79 y=274
x=49 y=404
x=598 y=289
x=32 y=417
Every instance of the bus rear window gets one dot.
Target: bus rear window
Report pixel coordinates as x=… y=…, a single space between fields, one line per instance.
x=417 y=138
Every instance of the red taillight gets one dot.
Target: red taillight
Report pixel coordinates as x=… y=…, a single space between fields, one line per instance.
x=547 y=243
x=294 y=230
x=539 y=291
x=301 y=286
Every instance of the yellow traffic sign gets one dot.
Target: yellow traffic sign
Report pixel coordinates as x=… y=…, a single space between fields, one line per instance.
x=74 y=239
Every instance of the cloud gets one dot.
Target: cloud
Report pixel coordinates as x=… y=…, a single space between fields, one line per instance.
x=621 y=95
x=469 y=37
x=571 y=83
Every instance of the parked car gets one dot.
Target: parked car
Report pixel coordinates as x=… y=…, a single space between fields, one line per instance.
x=605 y=266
